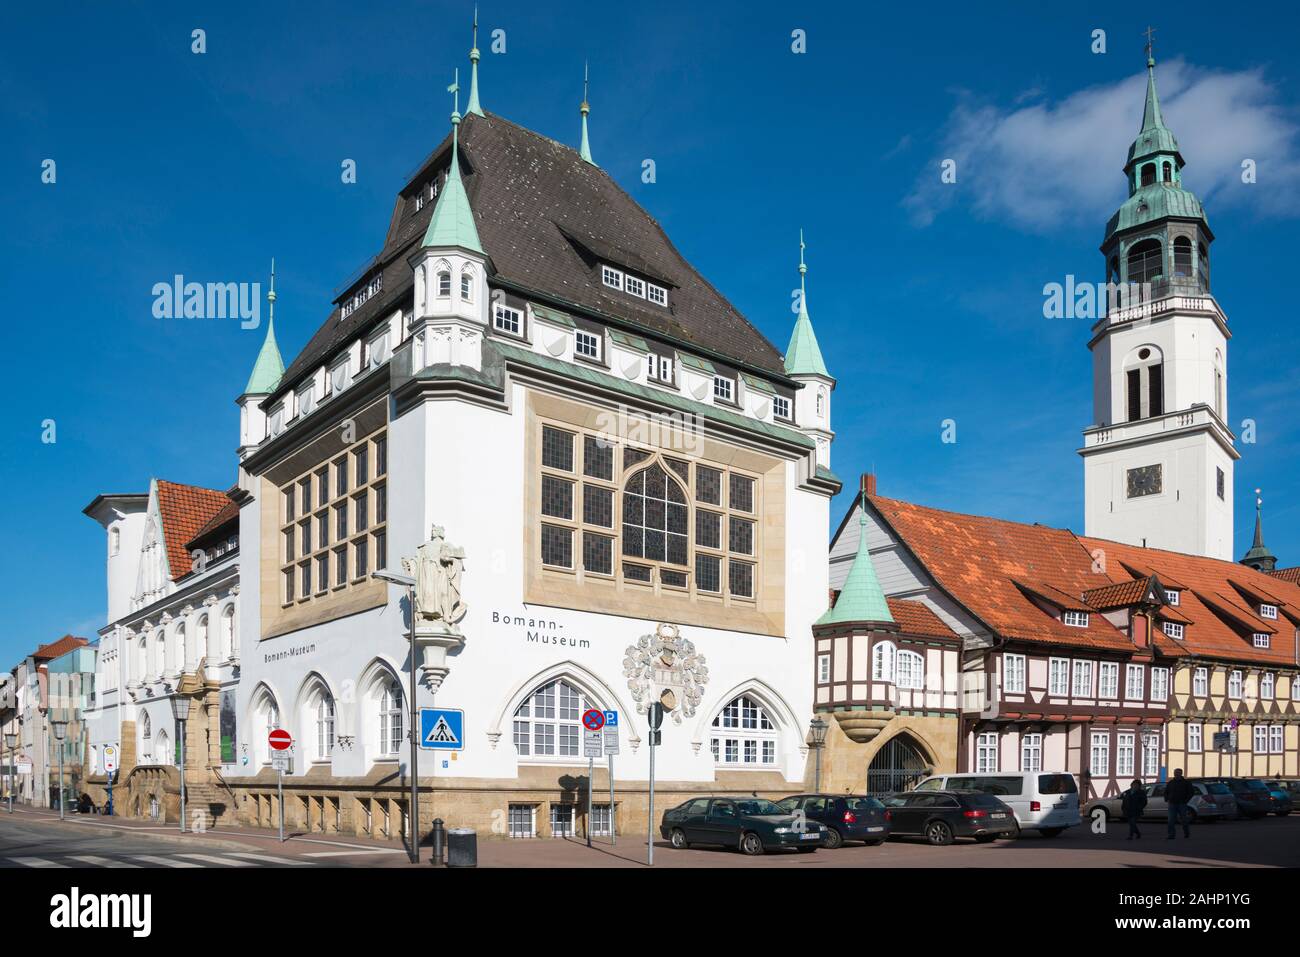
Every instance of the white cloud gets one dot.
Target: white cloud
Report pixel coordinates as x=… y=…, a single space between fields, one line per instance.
x=1039 y=164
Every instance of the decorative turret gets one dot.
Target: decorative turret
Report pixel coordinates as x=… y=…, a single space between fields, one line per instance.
x=451 y=292
x=1259 y=557
x=861 y=600
x=584 y=109
x=804 y=363
x=266 y=375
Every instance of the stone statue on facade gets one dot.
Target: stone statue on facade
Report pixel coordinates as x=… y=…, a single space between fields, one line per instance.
x=437 y=568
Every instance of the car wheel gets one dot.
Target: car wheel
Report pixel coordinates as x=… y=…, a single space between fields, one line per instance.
x=833 y=839
x=1050 y=831
x=751 y=843
x=678 y=839
x=938 y=833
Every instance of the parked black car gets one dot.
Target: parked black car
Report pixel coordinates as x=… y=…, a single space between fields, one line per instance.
x=846 y=817
x=751 y=824
x=943 y=816
x=1253 y=800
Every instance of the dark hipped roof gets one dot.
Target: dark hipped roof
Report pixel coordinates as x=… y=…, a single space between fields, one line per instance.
x=544 y=217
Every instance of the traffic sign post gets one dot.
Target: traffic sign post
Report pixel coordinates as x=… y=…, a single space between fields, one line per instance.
x=656 y=718
x=110 y=769
x=280 y=741
x=592 y=722
x=611 y=749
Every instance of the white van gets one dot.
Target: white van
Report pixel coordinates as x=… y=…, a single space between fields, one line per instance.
x=1046 y=800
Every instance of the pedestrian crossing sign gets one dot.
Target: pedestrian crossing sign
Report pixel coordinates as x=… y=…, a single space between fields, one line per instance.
x=442 y=729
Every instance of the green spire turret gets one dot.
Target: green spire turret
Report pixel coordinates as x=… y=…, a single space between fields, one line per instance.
x=584 y=109
x=269 y=367
x=804 y=356
x=473 y=106
x=452 y=223
x=861 y=599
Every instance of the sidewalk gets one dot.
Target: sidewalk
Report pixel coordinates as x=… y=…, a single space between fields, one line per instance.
x=320 y=848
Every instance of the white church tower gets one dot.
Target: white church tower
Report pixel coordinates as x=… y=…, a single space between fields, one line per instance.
x=1158 y=461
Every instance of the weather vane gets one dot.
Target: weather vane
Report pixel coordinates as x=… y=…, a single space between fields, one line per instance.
x=1150 y=34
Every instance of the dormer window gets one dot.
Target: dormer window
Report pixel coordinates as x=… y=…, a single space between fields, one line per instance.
x=1075 y=619
x=1172 y=597
x=1261 y=640
x=656 y=294
x=633 y=286
x=724 y=389
x=587 y=345
x=659 y=368
x=369 y=290
x=1174 y=630
x=419 y=201
x=1268 y=611
x=611 y=277
x=444 y=284
x=780 y=407
x=508 y=320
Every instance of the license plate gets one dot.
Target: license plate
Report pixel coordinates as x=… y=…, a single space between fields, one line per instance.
x=873 y=830
x=812 y=837
x=997 y=814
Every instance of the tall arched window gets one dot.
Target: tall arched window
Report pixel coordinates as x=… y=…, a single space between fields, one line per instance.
x=177 y=652
x=160 y=653
x=146 y=730
x=444 y=284
x=821 y=402
x=467 y=285
x=203 y=639
x=1145 y=261
x=161 y=749
x=1203 y=266
x=1144 y=383
x=229 y=644
x=1182 y=258
x=1167 y=169
x=142 y=659
x=266 y=718
x=390 y=718
x=324 y=725
x=883 y=658
x=654 y=517
x=1148 y=174
x=548 y=722
x=1219 y=397
x=743 y=734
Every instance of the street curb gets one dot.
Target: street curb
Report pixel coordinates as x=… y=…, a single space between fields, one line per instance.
x=192 y=841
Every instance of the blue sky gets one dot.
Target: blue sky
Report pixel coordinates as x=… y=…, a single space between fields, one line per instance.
x=927 y=298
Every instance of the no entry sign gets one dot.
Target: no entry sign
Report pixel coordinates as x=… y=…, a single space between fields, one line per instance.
x=593 y=720
x=280 y=739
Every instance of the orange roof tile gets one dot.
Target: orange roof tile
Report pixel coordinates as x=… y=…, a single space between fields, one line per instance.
x=1120 y=595
x=229 y=513
x=61 y=647
x=185 y=509
x=918 y=618
x=1210 y=582
x=978 y=561
x=1291 y=575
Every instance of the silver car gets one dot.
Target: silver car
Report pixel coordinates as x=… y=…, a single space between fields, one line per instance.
x=1212 y=801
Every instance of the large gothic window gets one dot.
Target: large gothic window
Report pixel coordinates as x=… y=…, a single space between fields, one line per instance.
x=654 y=517
x=549 y=722
x=743 y=734
x=644 y=517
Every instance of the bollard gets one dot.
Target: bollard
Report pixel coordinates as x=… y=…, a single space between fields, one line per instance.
x=439 y=840
x=462 y=847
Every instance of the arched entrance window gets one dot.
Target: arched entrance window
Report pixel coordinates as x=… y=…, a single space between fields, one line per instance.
x=743 y=735
x=549 y=721
x=896 y=766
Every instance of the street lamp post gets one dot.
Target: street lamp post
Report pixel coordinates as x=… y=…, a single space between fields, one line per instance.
x=408 y=583
x=60 y=729
x=818 y=728
x=11 y=742
x=181 y=711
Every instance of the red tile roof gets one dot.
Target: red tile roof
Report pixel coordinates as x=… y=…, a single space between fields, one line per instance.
x=229 y=513
x=1121 y=595
x=61 y=647
x=185 y=510
x=1210 y=582
x=918 y=618
x=978 y=561
x=1291 y=575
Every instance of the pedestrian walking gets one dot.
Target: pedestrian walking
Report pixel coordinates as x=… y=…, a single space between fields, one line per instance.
x=1178 y=793
x=1133 y=804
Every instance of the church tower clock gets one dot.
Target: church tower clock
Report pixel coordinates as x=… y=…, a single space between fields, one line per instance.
x=1158 y=461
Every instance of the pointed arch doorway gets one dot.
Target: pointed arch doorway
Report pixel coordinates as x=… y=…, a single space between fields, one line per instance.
x=897 y=765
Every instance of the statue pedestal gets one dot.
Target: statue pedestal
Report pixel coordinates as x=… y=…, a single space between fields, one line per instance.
x=433 y=639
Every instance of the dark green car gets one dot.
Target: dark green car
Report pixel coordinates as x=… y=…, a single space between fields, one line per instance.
x=751 y=824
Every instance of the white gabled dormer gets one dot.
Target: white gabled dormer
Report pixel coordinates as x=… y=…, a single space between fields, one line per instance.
x=451 y=291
